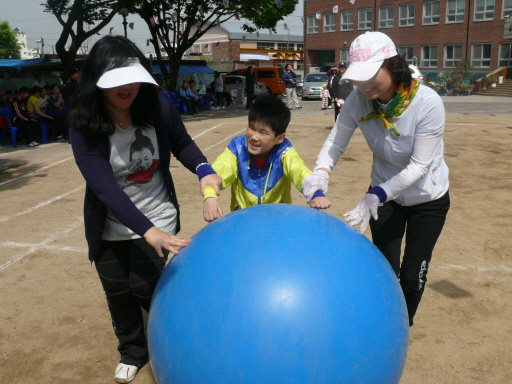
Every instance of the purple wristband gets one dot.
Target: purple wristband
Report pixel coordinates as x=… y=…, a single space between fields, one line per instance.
x=205 y=170
x=381 y=194
x=318 y=193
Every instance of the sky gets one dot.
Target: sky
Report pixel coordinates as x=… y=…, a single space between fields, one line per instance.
x=28 y=17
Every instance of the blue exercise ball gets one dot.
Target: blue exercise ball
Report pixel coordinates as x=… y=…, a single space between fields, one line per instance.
x=278 y=294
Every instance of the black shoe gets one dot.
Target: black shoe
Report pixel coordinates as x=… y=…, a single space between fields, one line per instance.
x=298 y=108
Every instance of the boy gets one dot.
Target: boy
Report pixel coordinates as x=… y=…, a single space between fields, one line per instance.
x=23 y=120
x=262 y=164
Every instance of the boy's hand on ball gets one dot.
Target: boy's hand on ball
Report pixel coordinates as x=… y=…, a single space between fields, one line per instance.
x=212 y=209
x=320 y=202
x=319 y=180
x=159 y=240
x=361 y=214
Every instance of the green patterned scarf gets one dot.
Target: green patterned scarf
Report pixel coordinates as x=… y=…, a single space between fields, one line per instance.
x=396 y=107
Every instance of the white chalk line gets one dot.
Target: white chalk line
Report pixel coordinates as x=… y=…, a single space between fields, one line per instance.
x=42 y=245
x=31 y=209
x=202 y=133
x=497 y=268
x=36 y=171
x=224 y=139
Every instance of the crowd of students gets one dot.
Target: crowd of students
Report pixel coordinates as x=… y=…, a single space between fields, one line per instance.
x=42 y=106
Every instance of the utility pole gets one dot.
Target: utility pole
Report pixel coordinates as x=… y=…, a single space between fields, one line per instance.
x=42 y=47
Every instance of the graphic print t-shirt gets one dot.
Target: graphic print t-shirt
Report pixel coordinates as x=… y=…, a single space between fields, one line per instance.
x=134 y=158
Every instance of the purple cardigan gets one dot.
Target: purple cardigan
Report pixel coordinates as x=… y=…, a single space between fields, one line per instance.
x=92 y=157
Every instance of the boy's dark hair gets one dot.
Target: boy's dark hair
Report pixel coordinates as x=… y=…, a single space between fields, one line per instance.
x=271 y=111
x=400 y=72
x=64 y=77
x=89 y=114
x=72 y=71
x=35 y=89
x=22 y=90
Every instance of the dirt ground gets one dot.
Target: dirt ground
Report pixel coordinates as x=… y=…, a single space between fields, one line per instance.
x=54 y=323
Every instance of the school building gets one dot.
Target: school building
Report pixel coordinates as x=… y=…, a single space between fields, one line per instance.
x=436 y=33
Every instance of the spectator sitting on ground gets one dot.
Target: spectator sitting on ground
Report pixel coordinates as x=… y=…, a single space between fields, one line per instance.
x=191 y=101
x=39 y=81
x=7 y=84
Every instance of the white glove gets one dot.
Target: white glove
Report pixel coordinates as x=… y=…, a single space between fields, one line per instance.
x=361 y=213
x=319 y=180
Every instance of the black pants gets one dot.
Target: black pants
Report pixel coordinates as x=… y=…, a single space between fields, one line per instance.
x=220 y=99
x=31 y=130
x=336 y=111
x=129 y=271
x=422 y=225
x=250 y=96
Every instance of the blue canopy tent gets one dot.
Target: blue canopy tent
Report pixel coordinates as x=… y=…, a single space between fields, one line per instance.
x=18 y=64
x=202 y=74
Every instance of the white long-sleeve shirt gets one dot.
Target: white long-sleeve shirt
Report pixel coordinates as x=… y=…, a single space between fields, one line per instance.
x=410 y=167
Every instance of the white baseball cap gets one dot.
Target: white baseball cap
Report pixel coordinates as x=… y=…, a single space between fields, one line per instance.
x=367 y=53
x=134 y=72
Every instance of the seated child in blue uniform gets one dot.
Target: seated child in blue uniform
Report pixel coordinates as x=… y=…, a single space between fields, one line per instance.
x=261 y=165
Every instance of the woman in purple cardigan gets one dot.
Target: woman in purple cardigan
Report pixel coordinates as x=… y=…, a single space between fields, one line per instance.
x=122 y=137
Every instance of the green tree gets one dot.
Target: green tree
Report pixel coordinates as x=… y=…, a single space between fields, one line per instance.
x=9 y=48
x=170 y=23
x=78 y=19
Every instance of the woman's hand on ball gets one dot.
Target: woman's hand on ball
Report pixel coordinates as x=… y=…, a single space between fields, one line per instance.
x=361 y=214
x=162 y=240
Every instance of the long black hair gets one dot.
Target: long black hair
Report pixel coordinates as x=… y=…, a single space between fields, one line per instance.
x=89 y=114
x=400 y=72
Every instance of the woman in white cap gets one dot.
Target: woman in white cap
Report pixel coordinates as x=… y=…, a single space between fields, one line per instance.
x=403 y=124
x=122 y=136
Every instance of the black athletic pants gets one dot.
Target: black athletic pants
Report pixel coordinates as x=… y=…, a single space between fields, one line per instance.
x=422 y=225
x=129 y=271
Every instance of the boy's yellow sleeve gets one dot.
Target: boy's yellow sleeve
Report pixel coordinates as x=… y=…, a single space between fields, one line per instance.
x=294 y=168
x=226 y=166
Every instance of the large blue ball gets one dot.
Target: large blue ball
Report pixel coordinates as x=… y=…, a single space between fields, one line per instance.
x=278 y=294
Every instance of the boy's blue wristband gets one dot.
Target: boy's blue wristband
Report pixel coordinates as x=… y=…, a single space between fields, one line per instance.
x=205 y=170
x=381 y=194
x=318 y=193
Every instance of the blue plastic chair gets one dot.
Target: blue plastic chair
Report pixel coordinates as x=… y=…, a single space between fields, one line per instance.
x=6 y=114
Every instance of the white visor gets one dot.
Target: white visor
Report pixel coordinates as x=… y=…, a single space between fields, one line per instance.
x=117 y=77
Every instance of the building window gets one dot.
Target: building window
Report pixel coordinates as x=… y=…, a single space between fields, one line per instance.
x=505 y=55
x=429 y=56
x=300 y=47
x=481 y=56
x=386 y=16
x=507 y=8
x=431 y=12
x=265 y=45
x=329 y=22
x=347 y=20
x=484 y=9
x=452 y=55
x=455 y=11
x=407 y=51
x=365 y=18
x=344 y=54
x=407 y=14
x=286 y=46
x=312 y=24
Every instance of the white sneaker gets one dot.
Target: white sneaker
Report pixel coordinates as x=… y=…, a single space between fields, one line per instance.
x=330 y=107
x=125 y=373
x=223 y=107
